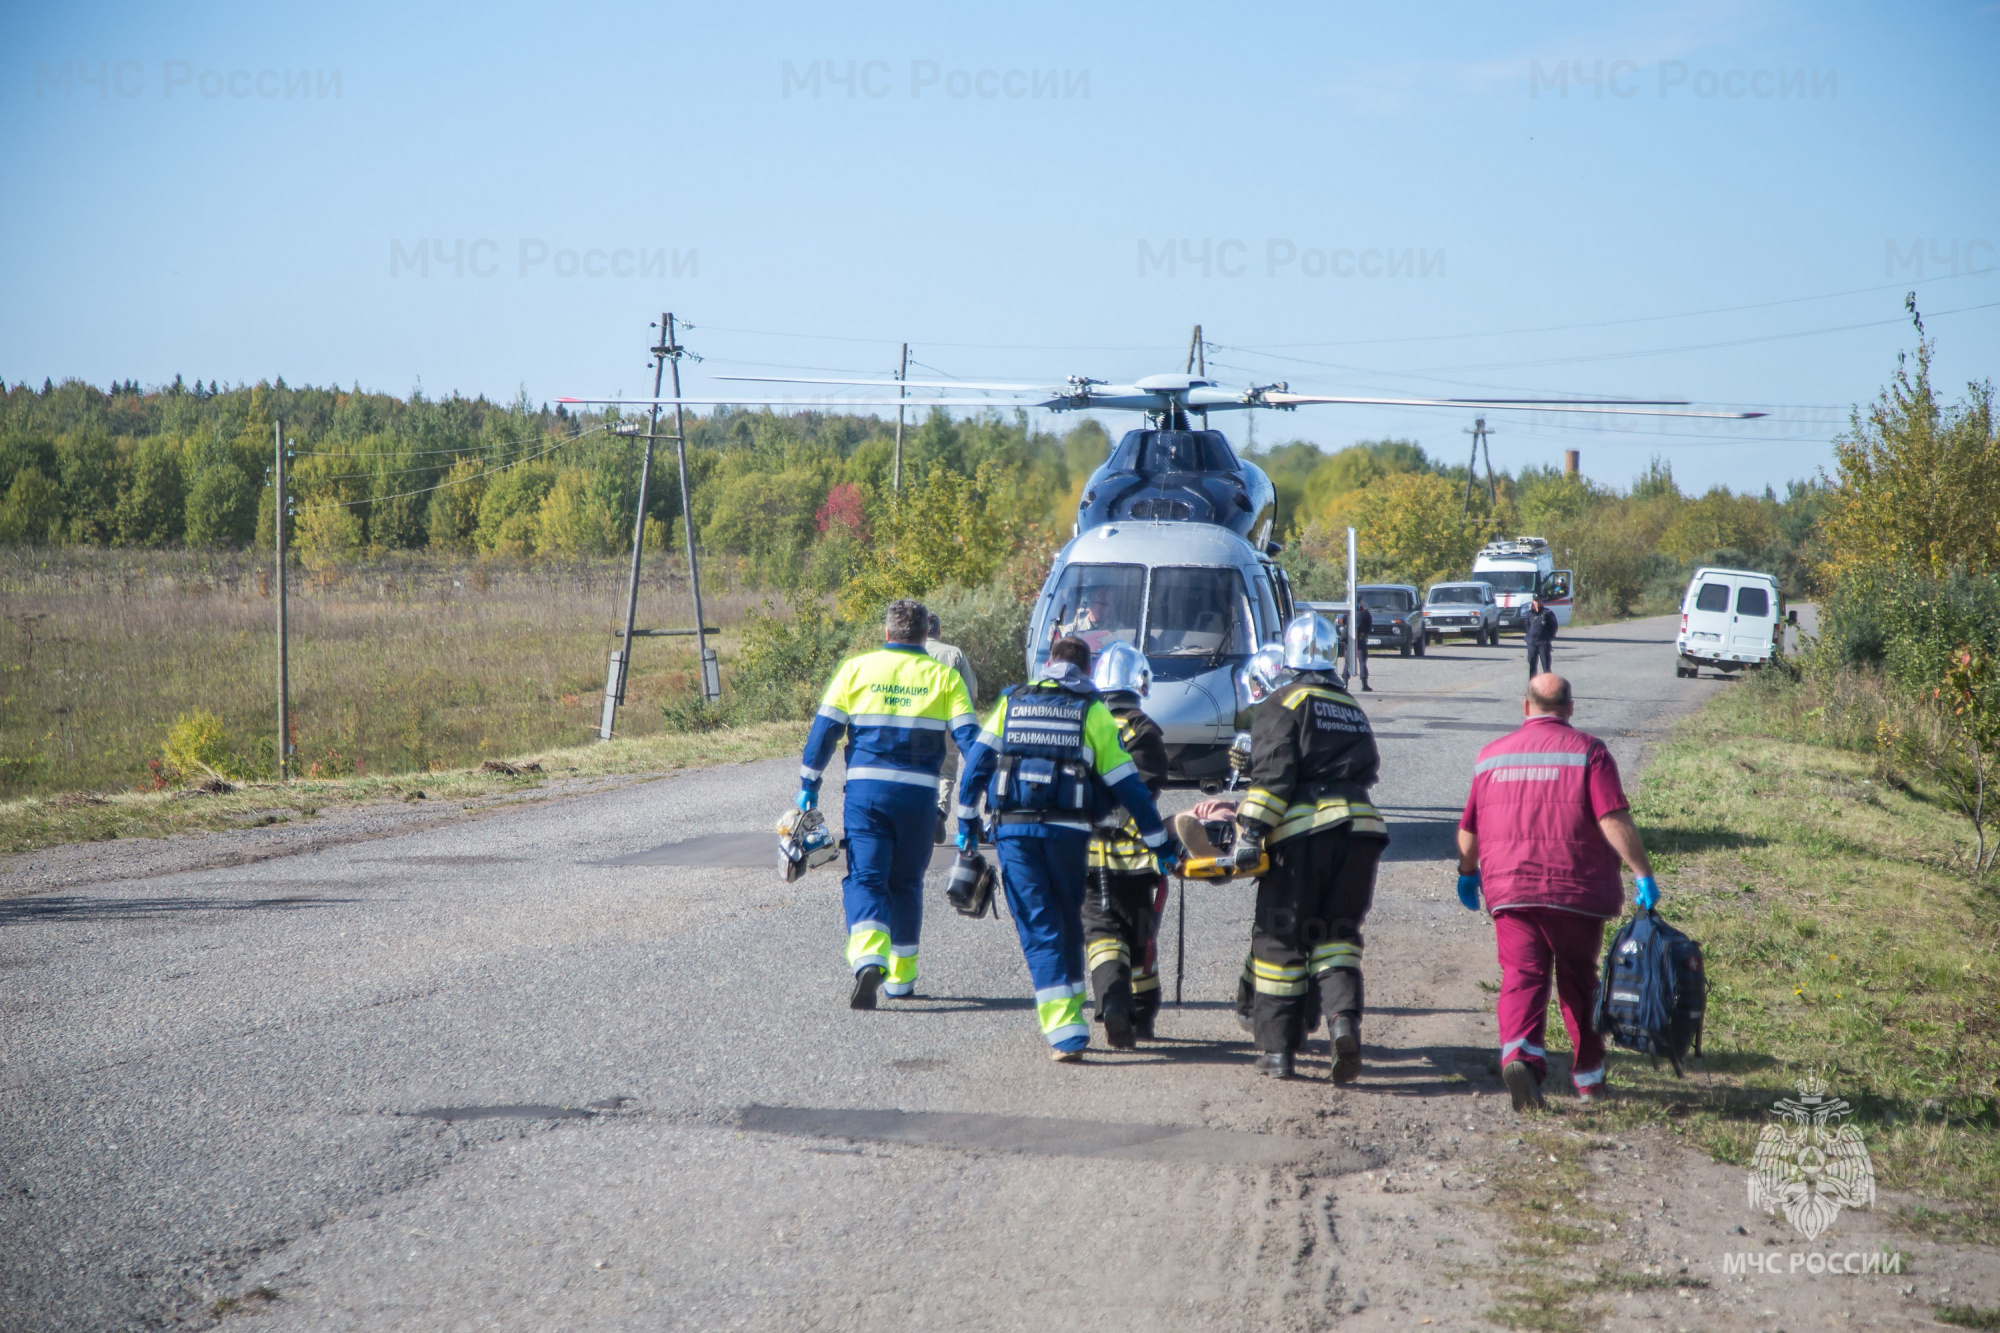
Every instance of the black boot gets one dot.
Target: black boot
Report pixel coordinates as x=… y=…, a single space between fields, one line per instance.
x=1114 y=1005
x=1277 y=1064
x=938 y=835
x=866 y=982
x=1346 y=1048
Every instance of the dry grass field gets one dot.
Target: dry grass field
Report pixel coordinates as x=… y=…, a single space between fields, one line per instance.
x=406 y=663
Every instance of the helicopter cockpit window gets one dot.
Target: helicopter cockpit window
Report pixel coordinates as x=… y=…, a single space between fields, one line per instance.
x=1186 y=451
x=1099 y=604
x=1200 y=611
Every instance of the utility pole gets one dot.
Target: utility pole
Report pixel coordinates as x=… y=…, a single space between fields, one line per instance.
x=284 y=642
x=711 y=673
x=1198 y=361
x=1480 y=435
x=668 y=351
x=1353 y=611
x=902 y=373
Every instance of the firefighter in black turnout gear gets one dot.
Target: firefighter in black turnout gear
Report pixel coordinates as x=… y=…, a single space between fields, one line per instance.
x=1121 y=908
x=1312 y=761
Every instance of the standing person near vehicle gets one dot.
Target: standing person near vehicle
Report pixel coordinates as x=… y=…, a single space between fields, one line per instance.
x=1544 y=829
x=953 y=657
x=1539 y=628
x=901 y=710
x=1362 y=623
x=1050 y=766
x=1312 y=761
x=1121 y=910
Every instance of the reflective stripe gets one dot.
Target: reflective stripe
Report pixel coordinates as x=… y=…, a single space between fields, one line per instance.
x=1340 y=953
x=987 y=739
x=832 y=714
x=1536 y=759
x=965 y=811
x=965 y=720
x=1522 y=1045
x=892 y=775
x=1311 y=817
x=1145 y=981
x=807 y=773
x=1062 y=992
x=902 y=977
x=1261 y=806
x=1062 y=1018
x=898 y=720
x=1157 y=839
x=1258 y=967
x=868 y=946
x=1297 y=697
x=1588 y=1078
x=1105 y=951
x=1283 y=988
x=1120 y=773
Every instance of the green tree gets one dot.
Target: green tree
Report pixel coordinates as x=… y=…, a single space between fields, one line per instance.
x=1409 y=529
x=507 y=510
x=221 y=504
x=1918 y=482
x=452 y=517
x=31 y=513
x=945 y=528
x=153 y=509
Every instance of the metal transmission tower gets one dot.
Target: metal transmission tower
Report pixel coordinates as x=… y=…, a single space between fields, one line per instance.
x=667 y=352
x=1479 y=434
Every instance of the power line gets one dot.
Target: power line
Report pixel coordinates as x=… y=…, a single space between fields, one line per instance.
x=402 y=495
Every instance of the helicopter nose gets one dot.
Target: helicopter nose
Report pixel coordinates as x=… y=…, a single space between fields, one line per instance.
x=1189 y=713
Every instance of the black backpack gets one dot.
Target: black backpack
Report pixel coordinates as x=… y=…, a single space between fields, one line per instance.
x=1655 y=992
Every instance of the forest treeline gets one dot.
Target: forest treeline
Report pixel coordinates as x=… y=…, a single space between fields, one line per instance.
x=787 y=501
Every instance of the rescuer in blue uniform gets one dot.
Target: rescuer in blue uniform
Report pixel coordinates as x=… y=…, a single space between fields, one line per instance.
x=1050 y=766
x=899 y=708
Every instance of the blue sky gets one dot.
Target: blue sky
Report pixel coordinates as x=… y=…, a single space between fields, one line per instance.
x=1444 y=200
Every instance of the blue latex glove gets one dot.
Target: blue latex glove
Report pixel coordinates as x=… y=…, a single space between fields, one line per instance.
x=968 y=842
x=808 y=798
x=1649 y=893
x=1468 y=891
x=1170 y=854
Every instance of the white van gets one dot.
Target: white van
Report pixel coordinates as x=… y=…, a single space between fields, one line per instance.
x=1729 y=620
x=1520 y=570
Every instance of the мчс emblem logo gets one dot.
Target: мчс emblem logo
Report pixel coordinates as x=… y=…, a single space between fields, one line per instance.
x=1809 y=1163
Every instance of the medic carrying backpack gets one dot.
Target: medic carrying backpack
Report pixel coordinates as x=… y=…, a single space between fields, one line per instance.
x=1654 y=991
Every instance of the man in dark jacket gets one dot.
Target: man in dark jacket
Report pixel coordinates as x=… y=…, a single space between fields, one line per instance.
x=1121 y=910
x=1312 y=761
x=1540 y=627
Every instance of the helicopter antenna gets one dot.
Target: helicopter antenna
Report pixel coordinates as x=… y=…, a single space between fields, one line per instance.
x=1480 y=434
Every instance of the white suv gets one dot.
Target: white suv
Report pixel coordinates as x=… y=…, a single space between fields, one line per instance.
x=1462 y=608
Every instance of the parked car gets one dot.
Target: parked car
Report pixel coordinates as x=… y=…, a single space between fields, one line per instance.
x=1462 y=608
x=1730 y=619
x=1396 y=617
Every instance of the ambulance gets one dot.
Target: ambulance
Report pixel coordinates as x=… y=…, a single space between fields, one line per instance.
x=1519 y=568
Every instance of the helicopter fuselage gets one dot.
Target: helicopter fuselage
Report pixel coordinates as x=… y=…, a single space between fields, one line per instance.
x=1184 y=476
x=1195 y=598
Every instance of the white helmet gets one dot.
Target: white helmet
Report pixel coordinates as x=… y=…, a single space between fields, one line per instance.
x=1262 y=672
x=1121 y=668
x=1310 y=644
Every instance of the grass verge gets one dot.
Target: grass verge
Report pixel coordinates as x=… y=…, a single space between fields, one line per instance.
x=33 y=822
x=1842 y=936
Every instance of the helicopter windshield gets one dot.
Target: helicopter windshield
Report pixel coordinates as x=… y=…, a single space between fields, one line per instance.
x=1185 y=451
x=1198 y=611
x=1099 y=604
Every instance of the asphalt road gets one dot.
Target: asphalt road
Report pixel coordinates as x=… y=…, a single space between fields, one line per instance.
x=488 y=1075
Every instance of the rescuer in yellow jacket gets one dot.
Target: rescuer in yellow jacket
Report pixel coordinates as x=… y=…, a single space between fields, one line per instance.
x=898 y=708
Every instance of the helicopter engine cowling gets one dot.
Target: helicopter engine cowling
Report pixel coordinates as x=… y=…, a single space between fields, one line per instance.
x=1189 y=476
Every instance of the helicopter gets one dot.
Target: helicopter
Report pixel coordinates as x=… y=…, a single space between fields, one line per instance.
x=1171 y=550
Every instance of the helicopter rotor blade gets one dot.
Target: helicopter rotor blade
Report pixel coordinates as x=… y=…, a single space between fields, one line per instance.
x=823 y=403
x=1613 y=406
x=892 y=384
